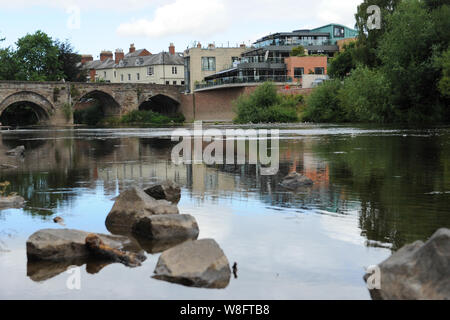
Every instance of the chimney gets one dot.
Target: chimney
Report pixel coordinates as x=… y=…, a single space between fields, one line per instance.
x=104 y=55
x=211 y=46
x=172 y=49
x=119 y=55
x=199 y=45
x=242 y=45
x=132 y=48
x=86 y=58
x=92 y=74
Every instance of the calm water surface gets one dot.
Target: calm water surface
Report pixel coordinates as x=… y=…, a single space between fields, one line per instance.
x=375 y=190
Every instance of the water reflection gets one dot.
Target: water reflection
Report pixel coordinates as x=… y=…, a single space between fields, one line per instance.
x=388 y=180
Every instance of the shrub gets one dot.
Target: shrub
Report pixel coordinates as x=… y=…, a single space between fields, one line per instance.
x=322 y=105
x=150 y=117
x=266 y=105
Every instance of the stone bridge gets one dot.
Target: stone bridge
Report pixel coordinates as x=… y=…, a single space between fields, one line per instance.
x=52 y=101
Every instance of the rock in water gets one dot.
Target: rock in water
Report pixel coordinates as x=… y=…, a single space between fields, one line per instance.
x=168 y=190
x=167 y=226
x=132 y=205
x=417 y=271
x=18 y=151
x=101 y=250
x=13 y=201
x=62 y=244
x=199 y=263
x=295 y=180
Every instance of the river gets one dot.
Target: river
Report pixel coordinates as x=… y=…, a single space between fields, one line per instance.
x=376 y=189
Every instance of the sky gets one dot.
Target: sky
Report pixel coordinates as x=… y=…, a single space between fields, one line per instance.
x=95 y=25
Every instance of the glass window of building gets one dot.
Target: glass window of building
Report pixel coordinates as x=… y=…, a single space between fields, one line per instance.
x=150 y=71
x=208 y=64
x=174 y=83
x=298 y=72
x=121 y=77
x=319 y=70
x=174 y=70
x=129 y=77
x=339 y=32
x=138 y=76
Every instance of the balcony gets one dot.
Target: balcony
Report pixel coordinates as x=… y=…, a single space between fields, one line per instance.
x=240 y=81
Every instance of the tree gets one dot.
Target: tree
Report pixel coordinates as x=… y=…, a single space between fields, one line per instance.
x=69 y=61
x=368 y=39
x=38 y=57
x=405 y=51
x=341 y=65
x=298 y=52
x=9 y=66
x=444 y=83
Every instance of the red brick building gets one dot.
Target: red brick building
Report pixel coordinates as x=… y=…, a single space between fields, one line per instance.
x=297 y=66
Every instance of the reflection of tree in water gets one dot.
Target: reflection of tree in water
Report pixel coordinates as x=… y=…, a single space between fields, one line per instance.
x=38 y=188
x=390 y=177
x=27 y=140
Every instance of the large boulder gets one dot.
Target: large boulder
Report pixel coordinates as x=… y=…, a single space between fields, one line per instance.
x=199 y=263
x=167 y=226
x=168 y=190
x=64 y=244
x=132 y=205
x=18 y=151
x=295 y=180
x=417 y=271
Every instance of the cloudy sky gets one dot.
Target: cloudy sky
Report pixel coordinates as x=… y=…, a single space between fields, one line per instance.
x=94 y=25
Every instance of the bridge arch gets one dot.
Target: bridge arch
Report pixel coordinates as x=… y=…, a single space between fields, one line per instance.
x=161 y=103
x=25 y=103
x=109 y=106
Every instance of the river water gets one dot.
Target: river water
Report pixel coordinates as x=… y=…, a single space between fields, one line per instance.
x=375 y=190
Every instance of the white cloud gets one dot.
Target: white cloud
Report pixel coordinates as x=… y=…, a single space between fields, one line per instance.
x=108 y=5
x=182 y=17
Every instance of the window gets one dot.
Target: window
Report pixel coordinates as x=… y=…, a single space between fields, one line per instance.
x=319 y=70
x=138 y=76
x=234 y=59
x=150 y=71
x=298 y=72
x=104 y=74
x=182 y=83
x=167 y=82
x=129 y=77
x=115 y=74
x=174 y=70
x=208 y=64
x=174 y=83
x=339 y=32
x=121 y=77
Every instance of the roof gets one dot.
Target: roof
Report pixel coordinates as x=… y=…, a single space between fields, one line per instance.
x=134 y=54
x=137 y=61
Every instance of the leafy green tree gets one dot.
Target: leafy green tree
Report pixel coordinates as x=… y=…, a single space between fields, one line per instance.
x=9 y=66
x=365 y=96
x=341 y=65
x=444 y=83
x=298 y=52
x=69 y=61
x=38 y=57
x=408 y=63
x=368 y=39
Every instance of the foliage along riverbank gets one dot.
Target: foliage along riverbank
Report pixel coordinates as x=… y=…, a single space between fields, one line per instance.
x=94 y=116
x=400 y=73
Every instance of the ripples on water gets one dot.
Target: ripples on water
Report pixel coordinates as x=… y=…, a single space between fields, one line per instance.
x=375 y=190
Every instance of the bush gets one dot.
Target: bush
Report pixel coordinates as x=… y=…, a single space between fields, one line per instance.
x=150 y=117
x=365 y=96
x=322 y=105
x=266 y=105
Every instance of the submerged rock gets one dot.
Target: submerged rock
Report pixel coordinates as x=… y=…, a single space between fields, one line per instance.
x=168 y=190
x=95 y=244
x=62 y=244
x=59 y=220
x=417 y=271
x=295 y=180
x=199 y=263
x=13 y=201
x=18 y=151
x=132 y=205
x=167 y=226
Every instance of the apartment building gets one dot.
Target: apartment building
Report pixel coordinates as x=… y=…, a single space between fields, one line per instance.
x=200 y=62
x=137 y=66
